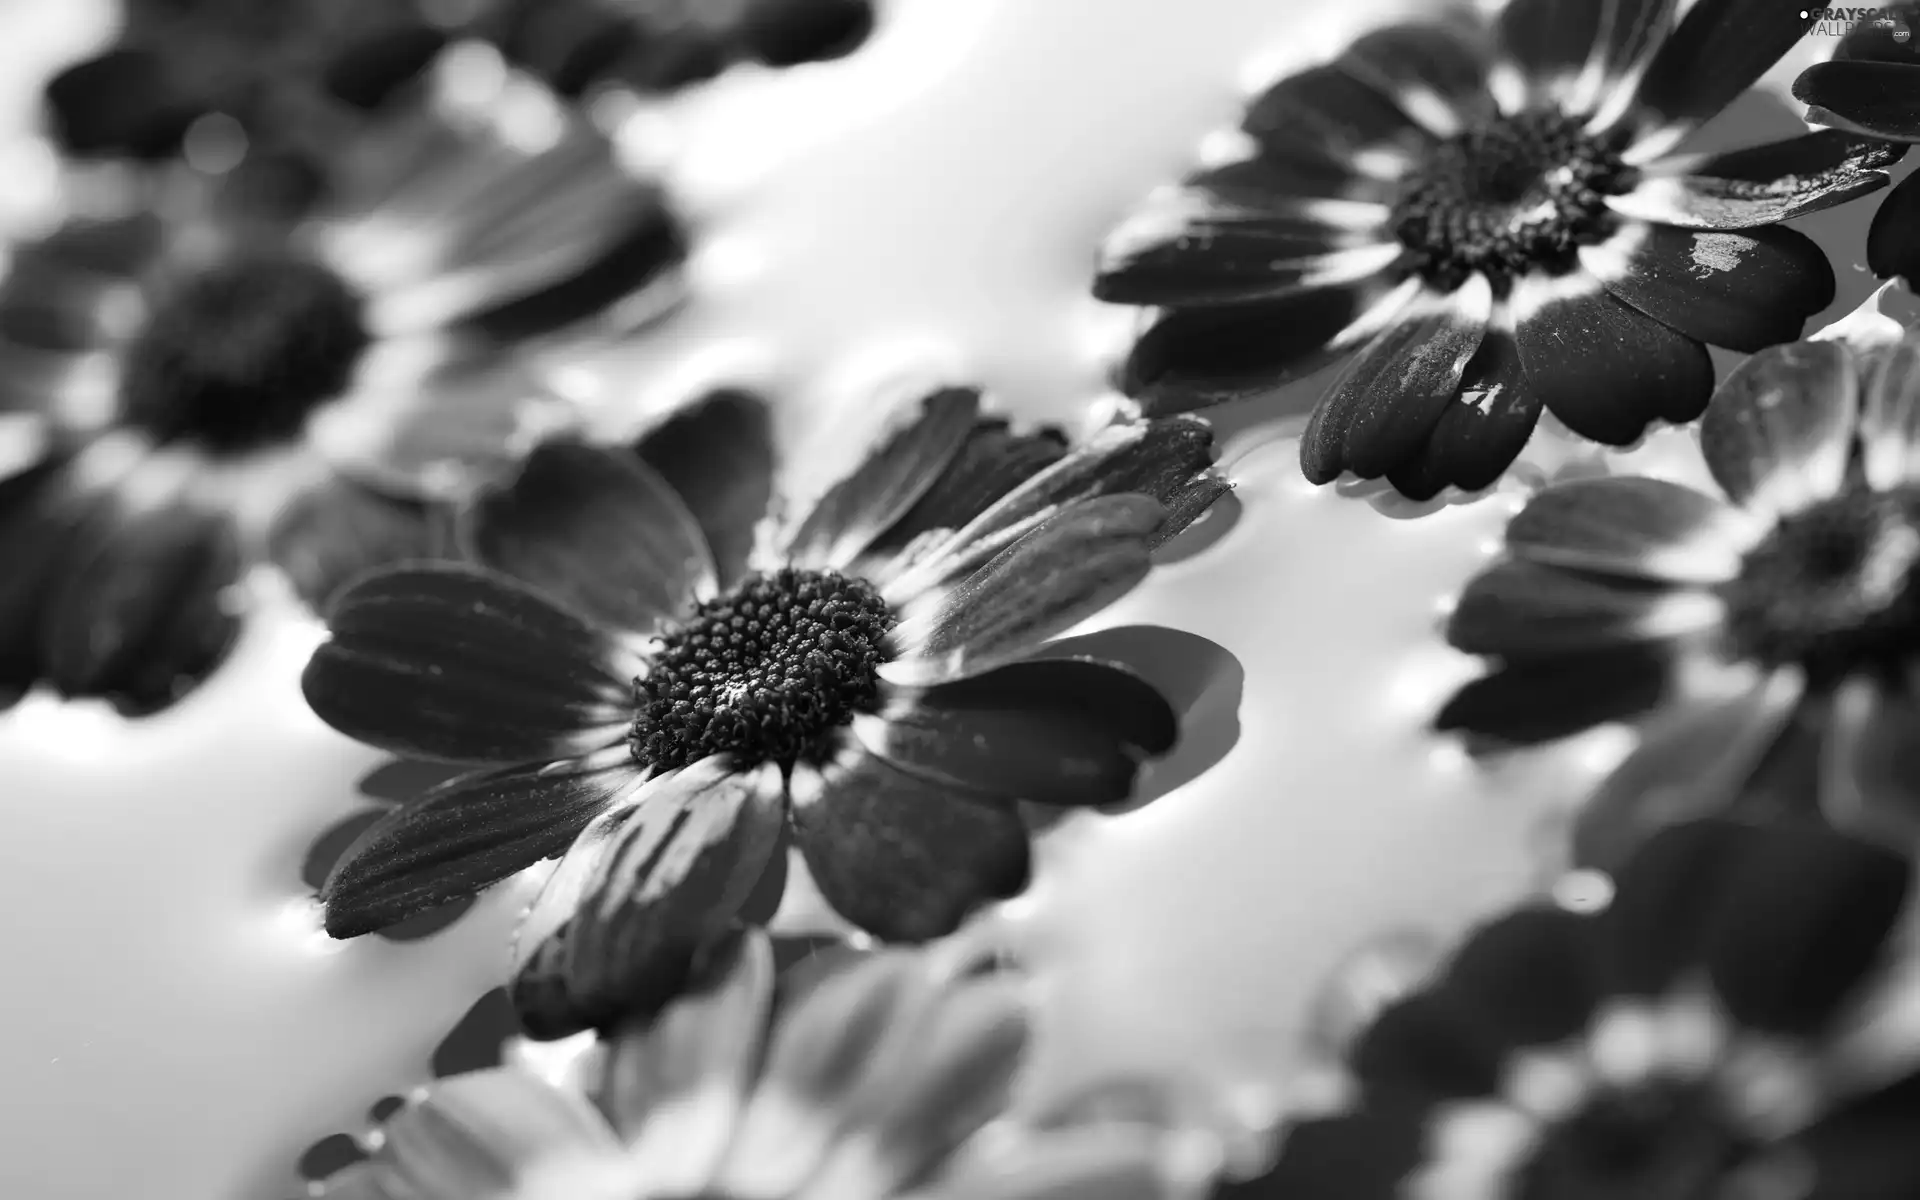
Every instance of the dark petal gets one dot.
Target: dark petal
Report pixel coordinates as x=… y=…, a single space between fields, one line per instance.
x=1531 y=978
x=138 y=616
x=1893 y=240
x=1369 y=1155
x=1695 y=760
x=1198 y=357
x=785 y=33
x=1765 y=184
x=1719 y=50
x=461 y=665
x=1870 y=779
x=1481 y=431
x=1427 y=1047
x=1073 y=565
x=1879 y=99
x=334 y=532
x=718 y=457
x=1667 y=898
x=462 y=837
x=1328 y=110
x=1050 y=731
x=369 y=69
x=665 y=883
x=1608 y=371
x=1866 y=1150
x=1280 y=177
x=1744 y=291
x=1548 y=38
x=598 y=531
x=994 y=461
x=1779 y=431
x=1524 y=610
x=1545 y=699
x=121 y=102
x=1887 y=37
x=885 y=486
x=642 y=246
x=1235 y=256
x=1377 y=415
x=1631 y=526
x=40 y=520
x=904 y=858
x=1444 y=58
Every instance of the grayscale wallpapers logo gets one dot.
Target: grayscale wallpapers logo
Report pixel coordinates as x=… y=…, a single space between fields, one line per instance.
x=1838 y=22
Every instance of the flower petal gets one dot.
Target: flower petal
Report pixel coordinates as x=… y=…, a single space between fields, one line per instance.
x=1531 y=978
x=1779 y=432
x=332 y=533
x=1719 y=50
x=1631 y=526
x=1549 y=39
x=1890 y=416
x=901 y=857
x=717 y=456
x=1369 y=1154
x=1435 y=69
x=1232 y=256
x=138 y=614
x=660 y=887
x=883 y=488
x=994 y=462
x=1482 y=430
x=1378 y=414
x=482 y=1135
x=465 y=836
x=1744 y=291
x=1893 y=247
x=121 y=102
x=1870 y=771
x=1605 y=369
x=1073 y=565
x=1064 y=732
x=1328 y=110
x=461 y=665
x=1763 y=184
x=1523 y=610
x=1544 y=699
x=1873 y=98
x=1691 y=762
x=596 y=530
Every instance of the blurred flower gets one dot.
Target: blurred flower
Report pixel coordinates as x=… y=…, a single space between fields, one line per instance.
x=1489 y=220
x=192 y=388
x=1872 y=87
x=1713 y=1033
x=1775 y=639
x=640 y=690
x=866 y=1082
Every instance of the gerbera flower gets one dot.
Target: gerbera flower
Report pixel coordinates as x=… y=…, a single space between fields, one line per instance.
x=190 y=390
x=637 y=687
x=1489 y=220
x=866 y=1082
x=1712 y=1033
x=1872 y=86
x=1773 y=637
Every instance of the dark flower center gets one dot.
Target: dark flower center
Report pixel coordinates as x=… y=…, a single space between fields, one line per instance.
x=1510 y=196
x=237 y=355
x=1660 y=1141
x=767 y=672
x=1833 y=588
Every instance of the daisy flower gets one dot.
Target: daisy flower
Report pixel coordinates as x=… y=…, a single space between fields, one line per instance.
x=1486 y=218
x=1770 y=637
x=1872 y=86
x=635 y=685
x=870 y=1080
x=191 y=390
x=1719 y=1030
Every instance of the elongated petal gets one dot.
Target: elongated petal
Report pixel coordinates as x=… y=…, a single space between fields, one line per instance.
x=1607 y=370
x=1049 y=731
x=1890 y=416
x=1631 y=526
x=1893 y=247
x=598 y=531
x=1719 y=49
x=1540 y=700
x=1434 y=68
x=462 y=837
x=1331 y=110
x=1228 y=256
x=1778 y=434
x=1744 y=291
x=1521 y=609
x=995 y=461
x=718 y=458
x=901 y=857
x=1764 y=184
x=1874 y=98
x=1481 y=431
x=462 y=665
x=333 y=533
x=1870 y=773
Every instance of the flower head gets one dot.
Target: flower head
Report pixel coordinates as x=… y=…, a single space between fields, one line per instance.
x=1770 y=638
x=195 y=387
x=868 y=1081
x=1714 y=1032
x=1487 y=220
x=667 y=707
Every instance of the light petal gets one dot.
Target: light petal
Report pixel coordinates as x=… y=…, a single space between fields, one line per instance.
x=1890 y=416
x=1635 y=527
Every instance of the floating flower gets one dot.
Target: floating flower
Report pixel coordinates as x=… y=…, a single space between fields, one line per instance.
x=1489 y=221
x=1713 y=1033
x=191 y=390
x=639 y=688
x=1872 y=87
x=1773 y=638
x=869 y=1081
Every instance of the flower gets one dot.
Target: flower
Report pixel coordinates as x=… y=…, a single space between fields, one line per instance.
x=192 y=389
x=1773 y=637
x=1488 y=220
x=867 y=1082
x=1712 y=1033
x=639 y=688
x=1872 y=87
